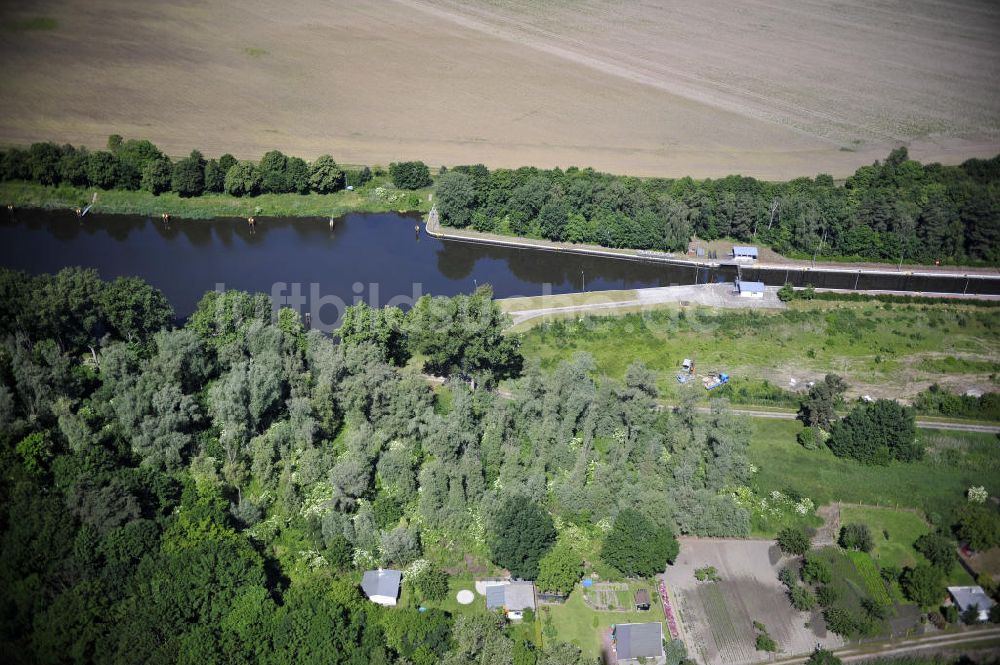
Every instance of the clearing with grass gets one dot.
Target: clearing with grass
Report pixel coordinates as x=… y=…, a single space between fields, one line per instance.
x=882 y=350
x=954 y=461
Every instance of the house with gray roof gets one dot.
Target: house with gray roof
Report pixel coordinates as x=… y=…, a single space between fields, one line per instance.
x=512 y=597
x=635 y=641
x=382 y=586
x=965 y=597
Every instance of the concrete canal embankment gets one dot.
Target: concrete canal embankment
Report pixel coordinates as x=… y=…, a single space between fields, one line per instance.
x=885 y=279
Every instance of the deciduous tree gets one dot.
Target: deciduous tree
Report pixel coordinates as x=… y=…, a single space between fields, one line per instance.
x=876 y=433
x=325 y=176
x=923 y=585
x=560 y=569
x=243 y=179
x=637 y=547
x=410 y=175
x=520 y=535
x=856 y=537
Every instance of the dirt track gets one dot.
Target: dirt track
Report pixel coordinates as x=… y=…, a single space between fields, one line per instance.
x=773 y=88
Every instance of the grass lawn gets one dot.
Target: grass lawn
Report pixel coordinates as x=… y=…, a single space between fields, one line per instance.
x=575 y=622
x=456 y=583
x=881 y=349
x=936 y=485
x=902 y=527
x=207 y=206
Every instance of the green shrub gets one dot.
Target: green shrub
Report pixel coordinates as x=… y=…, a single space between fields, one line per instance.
x=802 y=599
x=765 y=642
x=841 y=621
x=856 y=537
x=793 y=540
x=815 y=569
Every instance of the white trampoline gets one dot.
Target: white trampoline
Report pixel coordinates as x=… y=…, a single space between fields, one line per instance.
x=465 y=597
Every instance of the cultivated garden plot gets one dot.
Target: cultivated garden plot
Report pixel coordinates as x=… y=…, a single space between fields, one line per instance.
x=718 y=616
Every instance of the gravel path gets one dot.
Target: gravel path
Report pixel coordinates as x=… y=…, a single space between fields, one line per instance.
x=710 y=295
x=827 y=534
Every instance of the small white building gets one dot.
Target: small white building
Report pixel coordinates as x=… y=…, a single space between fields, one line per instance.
x=750 y=289
x=965 y=597
x=382 y=586
x=741 y=253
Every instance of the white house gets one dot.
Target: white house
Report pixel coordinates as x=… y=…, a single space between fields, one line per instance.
x=965 y=597
x=382 y=586
x=750 y=289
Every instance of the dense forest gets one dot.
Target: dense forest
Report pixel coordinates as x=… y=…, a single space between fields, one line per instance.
x=896 y=209
x=211 y=493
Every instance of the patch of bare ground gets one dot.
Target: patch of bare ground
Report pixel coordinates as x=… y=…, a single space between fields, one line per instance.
x=827 y=534
x=775 y=89
x=718 y=616
x=908 y=376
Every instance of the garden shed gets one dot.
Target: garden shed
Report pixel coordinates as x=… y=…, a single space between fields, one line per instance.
x=382 y=586
x=750 y=289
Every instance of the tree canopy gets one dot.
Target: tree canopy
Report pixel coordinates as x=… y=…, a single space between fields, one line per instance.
x=856 y=537
x=463 y=336
x=218 y=486
x=890 y=210
x=410 y=175
x=638 y=547
x=924 y=585
x=521 y=534
x=877 y=433
x=560 y=569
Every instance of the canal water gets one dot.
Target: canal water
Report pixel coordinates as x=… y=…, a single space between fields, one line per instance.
x=380 y=258
x=375 y=257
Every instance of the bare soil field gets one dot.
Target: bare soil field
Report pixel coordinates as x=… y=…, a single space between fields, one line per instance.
x=718 y=616
x=771 y=88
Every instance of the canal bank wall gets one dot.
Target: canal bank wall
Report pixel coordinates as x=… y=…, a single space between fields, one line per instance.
x=925 y=279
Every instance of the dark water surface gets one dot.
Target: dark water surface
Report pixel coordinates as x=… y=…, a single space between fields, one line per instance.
x=375 y=257
x=372 y=256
